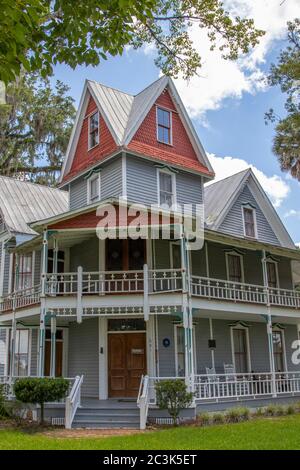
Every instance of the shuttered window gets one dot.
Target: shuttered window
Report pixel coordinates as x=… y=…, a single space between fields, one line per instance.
x=234 y=268
x=240 y=350
x=272 y=274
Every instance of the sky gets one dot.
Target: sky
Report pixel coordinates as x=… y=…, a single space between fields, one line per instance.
x=226 y=101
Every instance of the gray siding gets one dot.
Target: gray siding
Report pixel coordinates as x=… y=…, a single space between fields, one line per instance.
x=142 y=183
x=34 y=352
x=84 y=355
x=86 y=255
x=6 y=272
x=233 y=222
x=166 y=354
x=37 y=268
x=3 y=346
x=110 y=183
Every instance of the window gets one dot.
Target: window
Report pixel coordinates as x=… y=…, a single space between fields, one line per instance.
x=93 y=130
x=164 y=130
x=166 y=189
x=21 y=362
x=24 y=272
x=240 y=350
x=249 y=222
x=234 y=267
x=278 y=351
x=272 y=274
x=94 y=188
x=180 y=351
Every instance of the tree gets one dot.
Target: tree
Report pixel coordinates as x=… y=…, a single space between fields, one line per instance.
x=172 y=395
x=35 y=126
x=286 y=74
x=38 y=34
x=40 y=391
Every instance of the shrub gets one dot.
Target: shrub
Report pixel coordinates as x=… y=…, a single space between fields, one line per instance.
x=40 y=391
x=236 y=415
x=274 y=410
x=218 y=418
x=172 y=395
x=203 y=419
x=3 y=409
x=259 y=412
x=291 y=409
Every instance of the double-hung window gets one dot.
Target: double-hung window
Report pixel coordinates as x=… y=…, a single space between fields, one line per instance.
x=272 y=274
x=278 y=351
x=234 y=267
x=24 y=272
x=164 y=126
x=94 y=188
x=21 y=362
x=166 y=189
x=249 y=222
x=93 y=130
x=240 y=350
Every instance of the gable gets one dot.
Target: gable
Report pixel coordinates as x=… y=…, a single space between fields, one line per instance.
x=83 y=157
x=233 y=221
x=145 y=139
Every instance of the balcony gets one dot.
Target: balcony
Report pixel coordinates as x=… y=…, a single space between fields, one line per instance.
x=150 y=282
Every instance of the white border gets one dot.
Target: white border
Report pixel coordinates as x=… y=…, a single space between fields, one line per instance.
x=174 y=189
x=89 y=181
x=249 y=207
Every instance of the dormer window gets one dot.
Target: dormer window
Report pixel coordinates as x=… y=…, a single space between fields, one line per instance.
x=249 y=217
x=166 y=188
x=93 y=130
x=93 y=189
x=164 y=126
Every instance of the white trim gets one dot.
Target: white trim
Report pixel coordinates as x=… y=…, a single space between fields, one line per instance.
x=124 y=175
x=249 y=207
x=176 y=326
x=33 y=267
x=93 y=177
x=2 y=268
x=89 y=117
x=174 y=190
x=207 y=260
x=235 y=253
x=238 y=326
x=276 y=329
x=103 y=358
x=171 y=125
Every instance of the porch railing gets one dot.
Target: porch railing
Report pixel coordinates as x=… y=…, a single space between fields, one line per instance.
x=143 y=401
x=21 y=298
x=218 y=387
x=73 y=401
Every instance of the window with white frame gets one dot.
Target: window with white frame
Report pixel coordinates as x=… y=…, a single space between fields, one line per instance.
x=278 y=350
x=180 y=350
x=164 y=126
x=234 y=267
x=94 y=188
x=249 y=217
x=21 y=361
x=272 y=273
x=240 y=345
x=166 y=183
x=24 y=272
x=93 y=130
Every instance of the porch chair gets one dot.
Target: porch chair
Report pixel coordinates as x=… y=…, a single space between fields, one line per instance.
x=212 y=387
x=241 y=387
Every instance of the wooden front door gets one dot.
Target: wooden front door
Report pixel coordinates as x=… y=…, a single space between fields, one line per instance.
x=126 y=363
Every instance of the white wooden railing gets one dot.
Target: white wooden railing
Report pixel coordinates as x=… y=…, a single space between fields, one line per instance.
x=218 y=387
x=143 y=400
x=73 y=401
x=21 y=298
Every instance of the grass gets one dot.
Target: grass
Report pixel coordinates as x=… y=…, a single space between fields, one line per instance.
x=268 y=433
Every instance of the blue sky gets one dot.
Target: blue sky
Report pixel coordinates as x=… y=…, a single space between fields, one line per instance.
x=227 y=102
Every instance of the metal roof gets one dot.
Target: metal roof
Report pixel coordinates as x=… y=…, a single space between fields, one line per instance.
x=22 y=202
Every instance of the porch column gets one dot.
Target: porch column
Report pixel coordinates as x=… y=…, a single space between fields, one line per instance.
x=55 y=256
x=12 y=346
x=41 y=363
x=212 y=351
x=53 y=346
x=271 y=353
x=44 y=263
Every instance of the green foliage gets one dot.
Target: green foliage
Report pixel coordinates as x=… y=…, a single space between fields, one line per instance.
x=35 y=126
x=37 y=34
x=218 y=418
x=236 y=415
x=40 y=391
x=172 y=395
x=286 y=75
x=203 y=419
x=3 y=409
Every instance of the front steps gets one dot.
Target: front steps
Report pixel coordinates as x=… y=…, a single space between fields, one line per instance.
x=107 y=415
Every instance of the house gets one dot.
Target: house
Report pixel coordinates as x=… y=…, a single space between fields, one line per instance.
x=115 y=313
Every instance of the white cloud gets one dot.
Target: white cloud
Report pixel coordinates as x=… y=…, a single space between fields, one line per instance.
x=220 y=79
x=292 y=213
x=276 y=187
x=298 y=244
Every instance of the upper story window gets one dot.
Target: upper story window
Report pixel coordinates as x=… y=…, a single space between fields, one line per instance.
x=234 y=267
x=272 y=272
x=167 y=190
x=93 y=130
x=93 y=188
x=164 y=126
x=249 y=216
x=24 y=272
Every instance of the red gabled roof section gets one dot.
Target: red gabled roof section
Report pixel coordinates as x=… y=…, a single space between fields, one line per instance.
x=85 y=158
x=181 y=153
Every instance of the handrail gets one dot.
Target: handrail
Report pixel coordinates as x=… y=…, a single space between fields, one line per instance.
x=73 y=401
x=143 y=401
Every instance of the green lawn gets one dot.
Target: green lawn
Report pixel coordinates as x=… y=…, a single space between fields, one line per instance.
x=277 y=433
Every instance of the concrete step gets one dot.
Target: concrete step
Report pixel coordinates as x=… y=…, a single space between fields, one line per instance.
x=101 y=416
x=107 y=419
x=116 y=413
x=115 y=425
